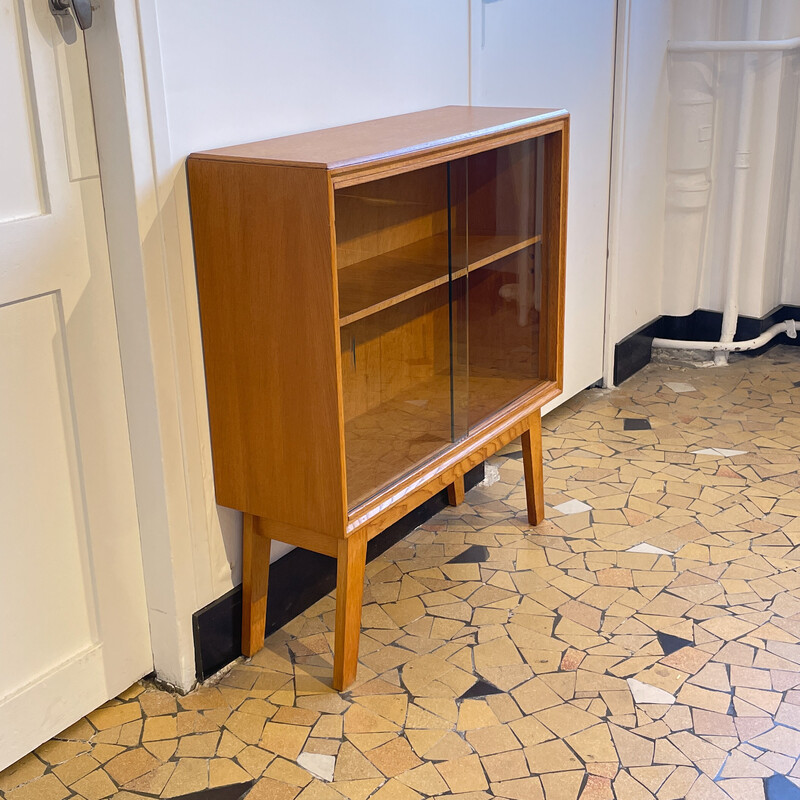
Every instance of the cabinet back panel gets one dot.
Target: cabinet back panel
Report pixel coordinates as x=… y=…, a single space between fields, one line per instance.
x=263 y=247
x=394 y=350
x=496 y=191
x=380 y=216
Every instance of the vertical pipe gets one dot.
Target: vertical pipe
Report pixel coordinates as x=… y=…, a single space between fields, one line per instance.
x=690 y=126
x=730 y=313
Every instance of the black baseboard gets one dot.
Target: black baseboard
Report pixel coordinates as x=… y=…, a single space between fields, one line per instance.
x=218 y=626
x=634 y=351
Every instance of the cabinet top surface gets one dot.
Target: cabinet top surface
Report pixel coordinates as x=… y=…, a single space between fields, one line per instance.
x=391 y=137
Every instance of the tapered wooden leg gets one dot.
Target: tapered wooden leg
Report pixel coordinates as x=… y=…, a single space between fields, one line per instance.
x=455 y=491
x=350 y=563
x=532 y=462
x=255 y=577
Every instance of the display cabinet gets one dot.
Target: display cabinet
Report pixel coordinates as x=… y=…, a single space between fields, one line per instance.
x=382 y=309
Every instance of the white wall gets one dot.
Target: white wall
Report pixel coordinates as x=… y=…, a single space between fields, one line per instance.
x=272 y=68
x=268 y=69
x=173 y=77
x=560 y=53
x=313 y=64
x=639 y=169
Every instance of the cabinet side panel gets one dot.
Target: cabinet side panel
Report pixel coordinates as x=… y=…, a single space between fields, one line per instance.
x=554 y=241
x=265 y=281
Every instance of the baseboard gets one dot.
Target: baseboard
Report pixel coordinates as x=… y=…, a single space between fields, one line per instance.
x=218 y=626
x=635 y=350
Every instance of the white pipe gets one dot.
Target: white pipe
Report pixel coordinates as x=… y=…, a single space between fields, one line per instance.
x=730 y=313
x=789 y=327
x=754 y=46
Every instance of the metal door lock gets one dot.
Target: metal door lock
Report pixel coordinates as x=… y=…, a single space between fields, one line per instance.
x=82 y=9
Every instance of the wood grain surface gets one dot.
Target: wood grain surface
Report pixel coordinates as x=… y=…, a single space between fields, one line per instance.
x=268 y=310
x=255 y=581
x=350 y=563
x=338 y=148
x=531 y=441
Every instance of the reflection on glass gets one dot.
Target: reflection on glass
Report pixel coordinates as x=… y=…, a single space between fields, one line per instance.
x=504 y=235
x=503 y=334
x=439 y=283
x=459 y=292
x=394 y=239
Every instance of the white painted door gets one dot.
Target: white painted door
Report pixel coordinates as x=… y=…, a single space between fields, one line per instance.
x=73 y=620
x=560 y=53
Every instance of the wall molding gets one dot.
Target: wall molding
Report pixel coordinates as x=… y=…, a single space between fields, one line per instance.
x=151 y=311
x=635 y=350
x=622 y=51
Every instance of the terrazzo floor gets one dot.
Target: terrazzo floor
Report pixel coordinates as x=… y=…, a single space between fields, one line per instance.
x=643 y=642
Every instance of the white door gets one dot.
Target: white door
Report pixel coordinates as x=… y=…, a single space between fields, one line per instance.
x=73 y=619
x=560 y=53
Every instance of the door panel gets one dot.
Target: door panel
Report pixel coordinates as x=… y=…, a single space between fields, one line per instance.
x=393 y=265
x=505 y=231
x=48 y=547
x=19 y=154
x=74 y=621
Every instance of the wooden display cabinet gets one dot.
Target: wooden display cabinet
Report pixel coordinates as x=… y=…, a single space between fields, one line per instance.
x=382 y=309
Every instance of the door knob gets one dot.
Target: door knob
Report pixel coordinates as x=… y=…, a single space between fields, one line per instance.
x=82 y=9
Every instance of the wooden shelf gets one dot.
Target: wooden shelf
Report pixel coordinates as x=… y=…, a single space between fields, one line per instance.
x=394 y=437
x=485 y=250
x=375 y=284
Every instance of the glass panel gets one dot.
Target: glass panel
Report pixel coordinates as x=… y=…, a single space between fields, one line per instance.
x=391 y=240
x=394 y=238
x=504 y=265
x=459 y=287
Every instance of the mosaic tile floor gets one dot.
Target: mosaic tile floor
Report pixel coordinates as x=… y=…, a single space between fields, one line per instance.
x=643 y=642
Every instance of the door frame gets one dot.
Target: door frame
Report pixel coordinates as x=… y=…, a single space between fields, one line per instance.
x=155 y=307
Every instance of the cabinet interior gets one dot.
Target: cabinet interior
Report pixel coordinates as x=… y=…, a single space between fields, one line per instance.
x=439 y=285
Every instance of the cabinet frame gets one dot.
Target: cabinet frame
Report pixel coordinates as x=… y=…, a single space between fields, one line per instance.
x=263 y=221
